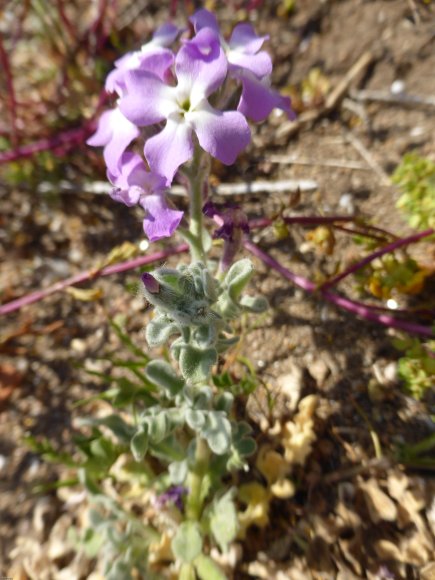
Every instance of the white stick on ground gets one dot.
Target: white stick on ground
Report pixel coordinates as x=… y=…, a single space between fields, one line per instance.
x=224 y=189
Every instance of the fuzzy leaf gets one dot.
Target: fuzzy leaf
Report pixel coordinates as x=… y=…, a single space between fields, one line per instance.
x=139 y=445
x=217 y=431
x=119 y=571
x=195 y=419
x=160 y=373
x=224 y=344
x=159 y=330
x=255 y=304
x=196 y=364
x=205 y=335
x=241 y=429
x=187 y=542
x=118 y=426
x=209 y=286
x=177 y=346
x=178 y=472
x=202 y=398
x=227 y=307
x=246 y=447
x=223 y=520
x=207 y=569
x=238 y=276
x=224 y=402
x=187 y=572
x=158 y=427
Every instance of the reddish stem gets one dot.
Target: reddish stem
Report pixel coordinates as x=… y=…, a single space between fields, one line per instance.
x=66 y=139
x=385 y=250
x=302 y=220
x=354 y=232
x=319 y=220
x=65 y=20
x=90 y=275
x=345 y=303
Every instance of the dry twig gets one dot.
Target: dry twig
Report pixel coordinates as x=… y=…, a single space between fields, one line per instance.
x=358 y=145
x=400 y=99
x=333 y=99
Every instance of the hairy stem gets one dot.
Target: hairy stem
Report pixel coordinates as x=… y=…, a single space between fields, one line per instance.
x=195 y=478
x=197 y=176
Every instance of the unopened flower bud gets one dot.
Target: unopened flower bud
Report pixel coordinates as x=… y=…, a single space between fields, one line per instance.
x=150 y=283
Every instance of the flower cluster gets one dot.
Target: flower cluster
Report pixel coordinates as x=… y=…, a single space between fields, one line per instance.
x=183 y=101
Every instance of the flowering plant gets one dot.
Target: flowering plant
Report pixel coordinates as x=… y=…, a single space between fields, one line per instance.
x=185 y=108
x=183 y=101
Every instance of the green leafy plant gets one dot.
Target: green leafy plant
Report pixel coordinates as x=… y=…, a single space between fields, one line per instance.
x=417 y=366
x=416 y=177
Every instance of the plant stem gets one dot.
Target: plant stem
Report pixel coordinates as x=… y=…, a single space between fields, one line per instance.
x=194 y=481
x=197 y=175
x=91 y=275
x=340 y=301
x=381 y=252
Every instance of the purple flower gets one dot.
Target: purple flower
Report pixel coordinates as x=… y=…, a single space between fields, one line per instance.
x=150 y=283
x=200 y=68
x=135 y=185
x=153 y=56
x=115 y=133
x=157 y=61
x=248 y=64
x=243 y=50
x=258 y=100
x=174 y=495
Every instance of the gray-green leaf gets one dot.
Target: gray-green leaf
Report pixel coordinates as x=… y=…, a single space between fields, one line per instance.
x=217 y=431
x=238 y=276
x=196 y=364
x=207 y=569
x=187 y=542
x=223 y=520
x=160 y=373
x=255 y=304
x=139 y=445
x=178 y=472
x=159 y=330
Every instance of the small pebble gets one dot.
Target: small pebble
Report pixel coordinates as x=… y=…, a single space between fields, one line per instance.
x=397 y=87
x=346 y=202
x=144 y=245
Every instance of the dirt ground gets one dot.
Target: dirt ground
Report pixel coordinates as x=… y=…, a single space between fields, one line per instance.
x=356 y=513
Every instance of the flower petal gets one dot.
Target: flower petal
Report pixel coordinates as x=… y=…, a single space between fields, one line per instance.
x=161 y=221
x=258 y=99
x=148 y=99
x=165 y=35
x=167 y=150
x=156 y=60
x=133 y=181
x=223 y=134
x=129 y=196
x=204 y=19
x=201 y=65
x=245 y=39
x=260 y=64
x=104 y=130
x=115 y=132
